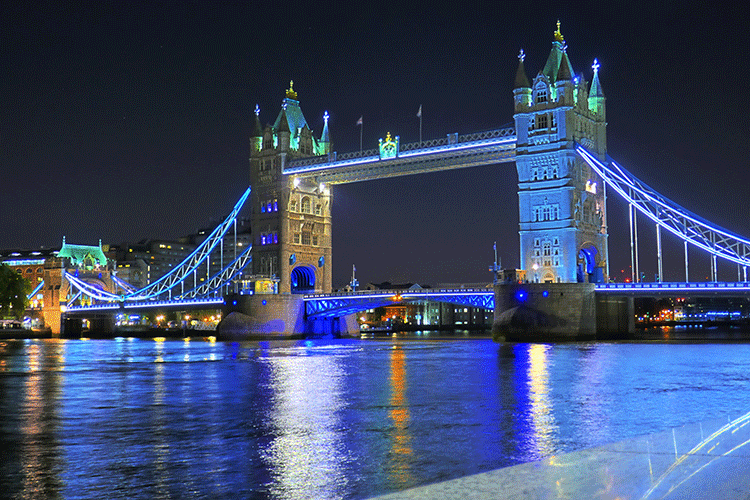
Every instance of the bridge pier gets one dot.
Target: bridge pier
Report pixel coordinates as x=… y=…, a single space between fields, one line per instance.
x=548 y=312
x=248 y=317
x=544 y=312
x=615 y=317
x=71 y=326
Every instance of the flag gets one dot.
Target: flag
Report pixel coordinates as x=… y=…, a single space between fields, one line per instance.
x=419 y=113
x=359 y=122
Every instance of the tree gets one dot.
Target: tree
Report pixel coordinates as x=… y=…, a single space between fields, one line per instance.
x=14 y=289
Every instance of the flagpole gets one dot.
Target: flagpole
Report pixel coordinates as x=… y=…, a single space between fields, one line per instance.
x=419 y=114
x=360 y=125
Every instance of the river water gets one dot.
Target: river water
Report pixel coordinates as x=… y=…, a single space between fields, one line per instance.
x=330 y=419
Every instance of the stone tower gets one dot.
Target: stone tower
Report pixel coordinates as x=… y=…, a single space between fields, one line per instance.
x=561 y=201
x=291 y=217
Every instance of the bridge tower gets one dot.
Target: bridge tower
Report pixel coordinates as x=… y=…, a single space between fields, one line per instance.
x=562 y=202
x=291 y=217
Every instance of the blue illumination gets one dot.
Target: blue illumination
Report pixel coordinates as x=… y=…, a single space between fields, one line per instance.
x=522 y=295
x=275 y=206
x=275 y=238
x=234 y=302
x=321 y=261
x=292 y=259
x=545 y=293
x=648 y=200
x=408 y=154
x=262 y=208
x=264 y=302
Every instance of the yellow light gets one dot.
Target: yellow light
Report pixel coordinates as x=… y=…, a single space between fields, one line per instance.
x=159 y=339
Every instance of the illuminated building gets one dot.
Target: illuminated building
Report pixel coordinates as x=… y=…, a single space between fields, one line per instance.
x=291 y=217
x=47 y=267
x=562 y=212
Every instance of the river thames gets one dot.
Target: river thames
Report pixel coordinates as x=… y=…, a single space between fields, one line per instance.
x=332 y=419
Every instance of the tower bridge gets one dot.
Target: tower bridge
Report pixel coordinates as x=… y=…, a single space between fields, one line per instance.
x=559 y=146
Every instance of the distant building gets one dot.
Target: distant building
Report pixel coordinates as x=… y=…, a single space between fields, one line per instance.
x=47 y=267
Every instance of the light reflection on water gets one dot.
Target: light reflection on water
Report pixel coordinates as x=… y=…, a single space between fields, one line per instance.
x=331 y=419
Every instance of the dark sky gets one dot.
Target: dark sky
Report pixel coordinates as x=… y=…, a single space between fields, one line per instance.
x=125 y=121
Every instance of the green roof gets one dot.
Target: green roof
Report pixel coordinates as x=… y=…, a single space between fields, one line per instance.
x=83 y=255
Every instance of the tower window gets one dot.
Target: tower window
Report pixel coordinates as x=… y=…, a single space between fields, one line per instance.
x=306 y=238
x=541 y=121
x=541 y=95
x=305 y=205
x=318 y=209
x=293 y=205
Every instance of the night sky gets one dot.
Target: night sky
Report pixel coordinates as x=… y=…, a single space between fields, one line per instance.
x=123 y=121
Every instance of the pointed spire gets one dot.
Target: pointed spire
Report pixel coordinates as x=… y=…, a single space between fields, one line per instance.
x=283 y=125
x=257 y=127
x=565 y=72
x=324 y=136
x=596 y=87
x=521 y=80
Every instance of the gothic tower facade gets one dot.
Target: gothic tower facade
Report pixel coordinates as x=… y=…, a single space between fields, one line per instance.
x=562 y=202
x=291 y=217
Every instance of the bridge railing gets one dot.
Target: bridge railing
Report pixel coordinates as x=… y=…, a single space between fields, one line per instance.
x=423 y=291
x=676 y=286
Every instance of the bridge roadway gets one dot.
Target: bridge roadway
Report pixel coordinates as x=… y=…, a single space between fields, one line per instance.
x=330 y=305
x=206 y=302
x=453 y=151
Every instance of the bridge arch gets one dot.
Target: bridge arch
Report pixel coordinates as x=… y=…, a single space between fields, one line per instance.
x=302 y=279
x=588 y=270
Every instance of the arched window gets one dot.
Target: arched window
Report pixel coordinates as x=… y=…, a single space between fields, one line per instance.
x=293 y=205
x=305 y=205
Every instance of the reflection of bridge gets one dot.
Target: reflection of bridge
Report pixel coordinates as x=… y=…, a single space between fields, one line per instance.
x=558 y=143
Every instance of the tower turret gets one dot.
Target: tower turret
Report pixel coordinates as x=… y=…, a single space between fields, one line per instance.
x=564 y=81
x=256 y=139
x=596 y=95
x=324 y=144
x=282 y=131
x=522 y=87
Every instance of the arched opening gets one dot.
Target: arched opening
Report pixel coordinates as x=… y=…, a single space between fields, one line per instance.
x=587 y=270
x=303 y=279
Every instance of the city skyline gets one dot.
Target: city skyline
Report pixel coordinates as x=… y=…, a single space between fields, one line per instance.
x=129 y=122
